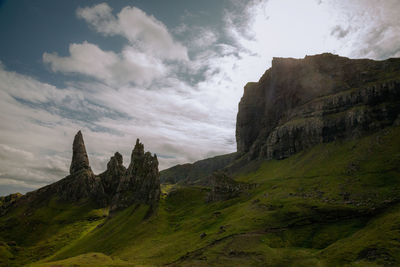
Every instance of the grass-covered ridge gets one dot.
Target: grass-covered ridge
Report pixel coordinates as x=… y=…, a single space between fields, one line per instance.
x=333 y=205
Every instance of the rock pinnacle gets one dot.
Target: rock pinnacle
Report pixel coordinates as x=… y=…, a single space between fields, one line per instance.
x=80 y=159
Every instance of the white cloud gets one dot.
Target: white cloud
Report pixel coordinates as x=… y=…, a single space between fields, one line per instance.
x=39 y=121
x=141 y=62
x=289 y=28
x=100 y=17
x=143 y=31
x=130 y=66
x=372 y=27
x=84 y=58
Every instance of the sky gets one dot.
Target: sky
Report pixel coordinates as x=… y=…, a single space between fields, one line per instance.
x=170 y=73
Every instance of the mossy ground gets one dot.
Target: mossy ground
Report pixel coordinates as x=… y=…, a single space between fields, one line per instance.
x=336 y=204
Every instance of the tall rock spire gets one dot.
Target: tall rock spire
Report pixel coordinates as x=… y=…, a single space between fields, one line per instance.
x=80 y=159
x=137 y=158
x=141 y=183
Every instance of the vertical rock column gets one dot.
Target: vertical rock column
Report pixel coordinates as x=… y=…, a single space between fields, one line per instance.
x=80 y=160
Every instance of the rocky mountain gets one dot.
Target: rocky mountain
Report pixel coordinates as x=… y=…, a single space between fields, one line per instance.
x=299 y=103
x=331 y=199
x=191 y=173
x=117 y=187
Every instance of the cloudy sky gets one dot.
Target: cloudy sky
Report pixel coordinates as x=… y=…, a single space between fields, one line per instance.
x=168 y=72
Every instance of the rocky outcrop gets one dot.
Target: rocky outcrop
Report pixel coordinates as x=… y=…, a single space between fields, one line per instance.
x=112 y=176
x=141 y=182
x=8 y=202
x=81 y=184
x=299 y=103
x=117 y=187
x=80 y=160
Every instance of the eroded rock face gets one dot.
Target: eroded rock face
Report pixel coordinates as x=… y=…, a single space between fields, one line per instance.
x=299 y=103
x=81 y=183
x=80 y=160
x=112 y=176
x=141 y=183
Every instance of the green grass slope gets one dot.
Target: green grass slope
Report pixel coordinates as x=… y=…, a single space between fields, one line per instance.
x=31 y=232
x=337 y=204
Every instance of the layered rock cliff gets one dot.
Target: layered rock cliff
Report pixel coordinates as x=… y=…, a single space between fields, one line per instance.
x=299 y=103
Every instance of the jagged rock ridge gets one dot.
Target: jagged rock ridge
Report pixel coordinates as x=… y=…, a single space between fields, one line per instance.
x=141 y=181
x=117 y=187
x=299 y=103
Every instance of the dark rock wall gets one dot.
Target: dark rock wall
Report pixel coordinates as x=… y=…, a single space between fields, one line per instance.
x=111 y=177
x=302 y=102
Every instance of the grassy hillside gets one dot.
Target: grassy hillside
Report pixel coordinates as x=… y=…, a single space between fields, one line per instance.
x=336 y=204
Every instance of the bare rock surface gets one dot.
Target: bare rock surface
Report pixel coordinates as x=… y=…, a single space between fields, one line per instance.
x=141 y=182
x=80 y=160
x=299 y=103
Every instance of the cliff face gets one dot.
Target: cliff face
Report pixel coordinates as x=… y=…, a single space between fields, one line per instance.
x=299 y=103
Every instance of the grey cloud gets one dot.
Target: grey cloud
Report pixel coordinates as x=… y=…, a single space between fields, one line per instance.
x=339 y=32
x=375 y=27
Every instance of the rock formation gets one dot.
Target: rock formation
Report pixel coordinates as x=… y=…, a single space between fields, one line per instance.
x=117 y=187
x=112 y=176
x=80 y=160
x=299 y=103
x=141 y=182
x=81 y=184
